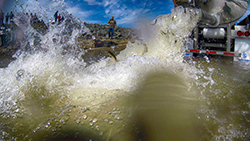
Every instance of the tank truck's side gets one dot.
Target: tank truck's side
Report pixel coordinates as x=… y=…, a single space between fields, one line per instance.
x=217 y=33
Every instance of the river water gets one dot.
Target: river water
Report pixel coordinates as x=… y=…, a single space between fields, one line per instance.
x=49 y=92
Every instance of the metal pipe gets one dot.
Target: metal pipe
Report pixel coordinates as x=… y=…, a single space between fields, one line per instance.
x=196 y=36
x=228 y=38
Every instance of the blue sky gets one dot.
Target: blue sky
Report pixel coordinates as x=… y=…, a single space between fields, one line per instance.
x=127 y=13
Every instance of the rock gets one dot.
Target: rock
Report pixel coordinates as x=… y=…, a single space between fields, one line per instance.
x=40 y=27
x=101 y=31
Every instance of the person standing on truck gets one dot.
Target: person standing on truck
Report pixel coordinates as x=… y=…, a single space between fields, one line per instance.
x=112 y=25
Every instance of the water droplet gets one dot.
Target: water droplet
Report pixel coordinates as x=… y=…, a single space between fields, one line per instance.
x=97 y=128
x=78 y=121
x=101 y=134
x=208 y=118
x=119 y=118
x=94 y=120
x=20 y=74
x=64 y=119
x=77 y=134
x=111 y=122
x=85 y=117
x=84 y=109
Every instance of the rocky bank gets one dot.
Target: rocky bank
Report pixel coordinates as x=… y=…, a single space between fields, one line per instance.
x=100 y=31
x=85 y=41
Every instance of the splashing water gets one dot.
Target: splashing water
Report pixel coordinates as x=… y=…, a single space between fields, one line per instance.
x=49 y=92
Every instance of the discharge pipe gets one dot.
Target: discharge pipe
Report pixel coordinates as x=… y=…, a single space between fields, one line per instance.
x=209 y=19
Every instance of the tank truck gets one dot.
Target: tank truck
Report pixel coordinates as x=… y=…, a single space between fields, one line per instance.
x=217 y=32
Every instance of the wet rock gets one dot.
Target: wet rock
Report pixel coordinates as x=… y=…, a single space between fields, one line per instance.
x=40 y=27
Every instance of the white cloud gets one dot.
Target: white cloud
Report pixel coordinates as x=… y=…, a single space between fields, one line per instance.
x=93 y=2
x=110 y=3
x=107 y=11
x=104 y=3
x=78 y=12
x=128 y=16
x=122 y=13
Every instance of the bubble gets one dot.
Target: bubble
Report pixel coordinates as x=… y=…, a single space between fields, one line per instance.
x=85 y=117
x=97 y=128
x=77 y=134
x=94 y=120
x=64 y=119
x=119 y=118
x=20 y=74
x=84 y=109
x=78 y=121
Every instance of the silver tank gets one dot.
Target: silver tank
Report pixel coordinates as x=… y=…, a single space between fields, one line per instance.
x=223 y=11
